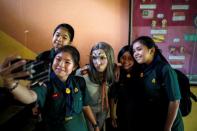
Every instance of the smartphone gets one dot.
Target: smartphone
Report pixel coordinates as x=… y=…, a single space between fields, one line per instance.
x=39 y=70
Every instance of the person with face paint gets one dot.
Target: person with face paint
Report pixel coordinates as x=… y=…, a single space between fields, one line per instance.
x=99 y=76
x=124 y=94
x=63 y=99
x=161 y=103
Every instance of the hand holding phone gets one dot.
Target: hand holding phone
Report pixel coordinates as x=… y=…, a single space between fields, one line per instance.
x=38 y=70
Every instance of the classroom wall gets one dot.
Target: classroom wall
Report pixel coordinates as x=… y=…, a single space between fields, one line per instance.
x=32 y=22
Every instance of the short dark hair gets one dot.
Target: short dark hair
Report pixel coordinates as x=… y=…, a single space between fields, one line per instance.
x=73 y=52
x=68 y=27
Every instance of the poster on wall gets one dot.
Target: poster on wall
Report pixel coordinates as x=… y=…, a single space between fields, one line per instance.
x=173 y=26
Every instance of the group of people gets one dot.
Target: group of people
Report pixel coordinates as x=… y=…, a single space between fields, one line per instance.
x=81 y=98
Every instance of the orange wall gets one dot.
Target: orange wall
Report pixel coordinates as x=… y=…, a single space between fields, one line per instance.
x=93 y=20
x=103 y=21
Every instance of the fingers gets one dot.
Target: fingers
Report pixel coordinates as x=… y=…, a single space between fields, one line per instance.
x=6 y=67
x=3 y=70
x=117 y=73
x=8 y=59
x=18 y=74
x=114 y=123
x=17 y=65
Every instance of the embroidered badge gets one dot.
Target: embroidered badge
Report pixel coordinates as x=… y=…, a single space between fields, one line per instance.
x=76 y=90
x=153 y=81
x=141 y=74
x=55 y=95
x=67 y=90
x=128 y=75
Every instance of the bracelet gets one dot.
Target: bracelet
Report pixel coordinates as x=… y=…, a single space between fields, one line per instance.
x=95 y=125
x=14 y=85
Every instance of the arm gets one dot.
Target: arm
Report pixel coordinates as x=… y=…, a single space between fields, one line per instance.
x=20 y=92
x=117 y=71
x=86 y=108
x=172 y=113
x=23 y=94
x=113 y=93
x=112 y=113
x=89 y=114
x=174 y=96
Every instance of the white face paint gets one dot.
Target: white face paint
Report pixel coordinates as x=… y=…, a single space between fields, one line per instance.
x=99 y=59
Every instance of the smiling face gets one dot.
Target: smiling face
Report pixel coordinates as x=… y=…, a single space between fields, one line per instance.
x=60 y=38
x=63 y=65
x=142 y=54
x=99 y=59
x=126 y=60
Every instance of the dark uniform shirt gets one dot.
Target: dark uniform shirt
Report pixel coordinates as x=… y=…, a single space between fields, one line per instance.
x=157 y=97
x=127 y=94
x=47 y=56
x=62 y=104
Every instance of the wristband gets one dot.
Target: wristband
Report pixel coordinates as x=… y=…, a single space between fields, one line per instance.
x=95 y=125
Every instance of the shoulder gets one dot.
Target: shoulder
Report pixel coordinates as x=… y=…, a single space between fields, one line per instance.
x=44 y=55
x=45 y=52
x=79 y=81
x=76 y=79
x=166 y=70
x=83 y=71
x=162 y=66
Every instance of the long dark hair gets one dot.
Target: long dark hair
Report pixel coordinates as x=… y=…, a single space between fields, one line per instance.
x=149 y=43
x=109 y=73
x=122 y=51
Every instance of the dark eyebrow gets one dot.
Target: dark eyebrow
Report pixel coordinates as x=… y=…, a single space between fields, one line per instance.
x=63 y=34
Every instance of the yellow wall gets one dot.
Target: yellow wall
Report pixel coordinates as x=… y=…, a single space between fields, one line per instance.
x=190 y=121
x=9 y=46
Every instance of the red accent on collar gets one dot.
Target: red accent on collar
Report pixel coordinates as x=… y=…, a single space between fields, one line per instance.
x=55 y=95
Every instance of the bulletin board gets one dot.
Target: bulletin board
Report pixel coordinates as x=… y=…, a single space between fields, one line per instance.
x=173 y=26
